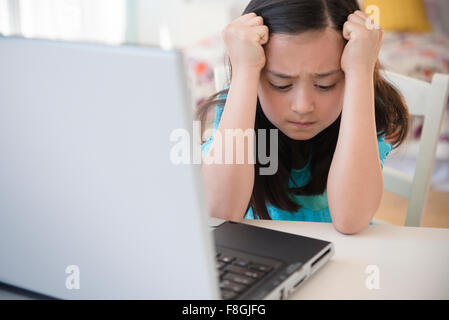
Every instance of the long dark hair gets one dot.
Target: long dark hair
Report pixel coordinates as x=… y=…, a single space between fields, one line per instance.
x=293 y=17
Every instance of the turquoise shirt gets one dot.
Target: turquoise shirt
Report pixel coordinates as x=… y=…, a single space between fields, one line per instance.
x=314 y=208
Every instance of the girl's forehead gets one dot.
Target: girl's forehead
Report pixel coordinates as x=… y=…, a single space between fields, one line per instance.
x=308 y=52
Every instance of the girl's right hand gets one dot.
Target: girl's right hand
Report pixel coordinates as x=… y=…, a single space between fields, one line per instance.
x=244 y=38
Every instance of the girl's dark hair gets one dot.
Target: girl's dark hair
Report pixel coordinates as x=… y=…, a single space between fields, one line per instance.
x=294 y=17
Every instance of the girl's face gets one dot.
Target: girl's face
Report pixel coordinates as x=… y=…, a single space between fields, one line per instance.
x=302 y=81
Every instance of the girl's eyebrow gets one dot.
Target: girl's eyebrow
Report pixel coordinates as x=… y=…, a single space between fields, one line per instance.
x=326 y=74
x=281 y=75
x=315 y=75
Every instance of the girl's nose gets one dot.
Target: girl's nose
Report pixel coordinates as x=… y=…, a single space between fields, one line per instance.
x=303 y=102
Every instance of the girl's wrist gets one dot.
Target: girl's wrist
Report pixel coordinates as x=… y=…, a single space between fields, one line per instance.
x=246 y=78
x=359 y=73
x=359 y=87
x=246 y=73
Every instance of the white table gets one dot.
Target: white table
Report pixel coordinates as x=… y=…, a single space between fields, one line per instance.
x=412 y=263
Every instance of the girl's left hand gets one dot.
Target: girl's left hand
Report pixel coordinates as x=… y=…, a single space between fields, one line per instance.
x=364 y=41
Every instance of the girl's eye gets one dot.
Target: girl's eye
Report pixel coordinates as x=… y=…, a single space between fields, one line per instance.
x=282 y=88
x=325 y=88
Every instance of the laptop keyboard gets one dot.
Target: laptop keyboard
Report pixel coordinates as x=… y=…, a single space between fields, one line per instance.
x=238 y=274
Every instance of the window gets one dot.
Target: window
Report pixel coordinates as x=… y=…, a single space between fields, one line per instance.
x=74 y=20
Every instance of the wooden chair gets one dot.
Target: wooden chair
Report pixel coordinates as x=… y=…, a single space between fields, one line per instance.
x=428 y=100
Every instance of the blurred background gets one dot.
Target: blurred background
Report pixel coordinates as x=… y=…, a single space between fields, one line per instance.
x=416 y=44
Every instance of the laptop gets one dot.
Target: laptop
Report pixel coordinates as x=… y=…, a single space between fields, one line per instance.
x=91 y=205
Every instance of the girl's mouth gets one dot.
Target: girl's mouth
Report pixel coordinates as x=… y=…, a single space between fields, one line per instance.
x=302 y=124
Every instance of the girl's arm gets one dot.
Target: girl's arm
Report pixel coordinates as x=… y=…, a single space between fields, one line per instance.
x=355 y=182
x=229 y=186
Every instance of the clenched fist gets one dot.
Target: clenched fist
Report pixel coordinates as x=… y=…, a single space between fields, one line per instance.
x=244 y=38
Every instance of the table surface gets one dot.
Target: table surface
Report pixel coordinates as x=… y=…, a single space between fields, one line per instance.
x=409 y=262
x=381 y=262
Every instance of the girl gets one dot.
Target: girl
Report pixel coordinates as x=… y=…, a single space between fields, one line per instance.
x=309 y=69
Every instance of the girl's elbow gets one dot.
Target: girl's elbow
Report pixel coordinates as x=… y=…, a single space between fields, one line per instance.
x=349 y=229
x=226 y=213
x=350 y=225
x=354 y=218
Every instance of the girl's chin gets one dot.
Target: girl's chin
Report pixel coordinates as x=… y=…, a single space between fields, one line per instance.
x=300 y=135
